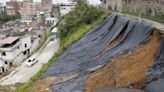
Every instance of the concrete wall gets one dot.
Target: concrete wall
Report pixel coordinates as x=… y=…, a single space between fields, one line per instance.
x=3 y=66
x=18 y=60
x=25 y=40
x=34 y=45
x=11 y=54
x=147 y=7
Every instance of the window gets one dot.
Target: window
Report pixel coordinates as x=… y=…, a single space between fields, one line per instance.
x=24 y=53
x=63 y=8
x=6 y=62
x=3 y=53
x=25 y=45
x=11 y=64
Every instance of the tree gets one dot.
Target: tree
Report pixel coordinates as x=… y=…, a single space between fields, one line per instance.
x=4 y=17
x=82 y=14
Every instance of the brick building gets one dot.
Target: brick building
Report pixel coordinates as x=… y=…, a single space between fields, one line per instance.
x=16 y=5
x=29 y=8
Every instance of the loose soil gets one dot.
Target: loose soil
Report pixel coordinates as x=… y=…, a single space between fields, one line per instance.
x=128 y=70
x=43 y=85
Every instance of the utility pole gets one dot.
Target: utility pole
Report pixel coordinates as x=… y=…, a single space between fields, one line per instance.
x=139 y=15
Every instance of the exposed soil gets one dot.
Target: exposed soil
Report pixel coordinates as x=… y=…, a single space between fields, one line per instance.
x=43 y=85
x=128 y=70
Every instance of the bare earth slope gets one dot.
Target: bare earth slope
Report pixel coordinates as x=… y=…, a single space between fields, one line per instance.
x=127 y=70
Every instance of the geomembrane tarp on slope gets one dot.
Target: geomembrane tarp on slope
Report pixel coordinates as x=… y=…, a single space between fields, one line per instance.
x=91 y=52
x=156 y=86
x=157 y=70
x=118 y=90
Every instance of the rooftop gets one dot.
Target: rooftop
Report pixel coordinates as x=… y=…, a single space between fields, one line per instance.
x=51 y=18
x=8 y=40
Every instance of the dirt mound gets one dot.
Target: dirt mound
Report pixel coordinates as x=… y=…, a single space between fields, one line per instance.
x=127 y=70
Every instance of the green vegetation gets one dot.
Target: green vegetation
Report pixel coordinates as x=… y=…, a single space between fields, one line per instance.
x=72 y=27
x=83 y=14
x=4 y=17
x=156 y=18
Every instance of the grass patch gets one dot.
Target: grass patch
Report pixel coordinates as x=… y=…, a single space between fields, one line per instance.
x=65 y=43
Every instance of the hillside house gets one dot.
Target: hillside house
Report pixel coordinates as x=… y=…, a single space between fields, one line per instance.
x=51 y=21
x=66 y=7
x=13 y=50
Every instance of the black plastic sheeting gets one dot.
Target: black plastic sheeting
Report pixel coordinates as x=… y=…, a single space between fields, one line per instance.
x=90 y=53
x=157 y=70
x=156 y=86
x=74 y=85
x=118 y=90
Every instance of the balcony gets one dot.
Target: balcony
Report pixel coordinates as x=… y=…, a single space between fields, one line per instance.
x=10 y=47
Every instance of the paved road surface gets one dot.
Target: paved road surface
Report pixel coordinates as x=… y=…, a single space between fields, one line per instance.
x=22 y=73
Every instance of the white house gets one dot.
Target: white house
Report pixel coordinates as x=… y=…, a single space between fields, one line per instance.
x=67 y=7
x=13 y=50
x=51 y=21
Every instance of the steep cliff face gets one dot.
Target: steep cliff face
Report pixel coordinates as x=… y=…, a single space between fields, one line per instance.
x=147 y=7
